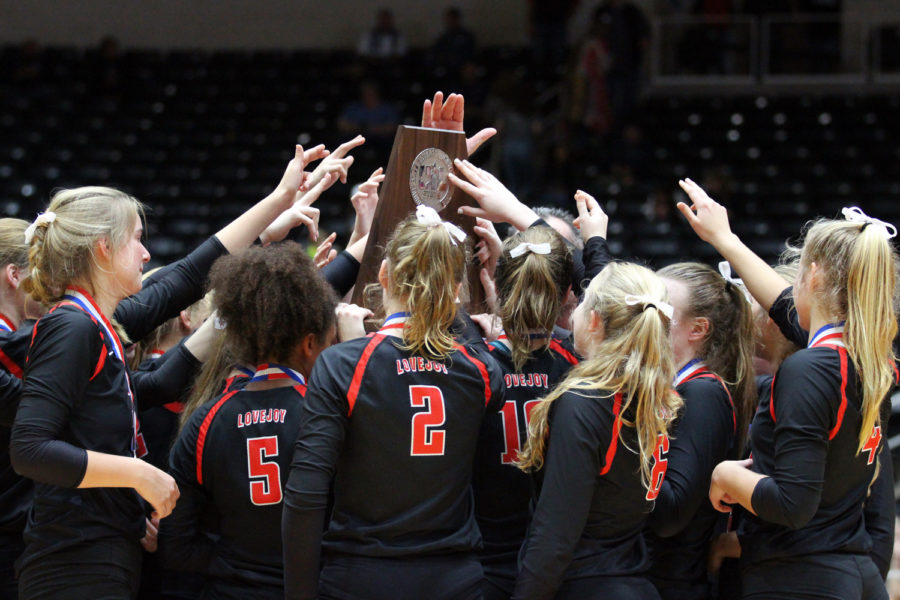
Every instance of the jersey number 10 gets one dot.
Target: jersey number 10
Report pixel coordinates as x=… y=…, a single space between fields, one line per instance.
x=265 y=476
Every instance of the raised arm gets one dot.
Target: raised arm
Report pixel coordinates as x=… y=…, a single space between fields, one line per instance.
x=709 y=220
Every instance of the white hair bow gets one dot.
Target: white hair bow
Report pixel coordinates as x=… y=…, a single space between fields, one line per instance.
x=42 y=219
x=666 y=309
x=856 y=215
x=429 y=217
x=725 y=272
x=525 y=247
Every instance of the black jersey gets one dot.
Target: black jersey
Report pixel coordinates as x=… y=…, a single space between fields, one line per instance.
x=683 y=520
x=231 y=462
x=592 y=506
x=502 y=491
x=76 y=396
x=804 y=439
x=398 y=433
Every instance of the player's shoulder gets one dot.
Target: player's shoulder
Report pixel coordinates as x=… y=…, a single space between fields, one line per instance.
x=704 y=387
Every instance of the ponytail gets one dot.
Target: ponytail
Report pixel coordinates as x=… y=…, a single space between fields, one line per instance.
x=859 y=268
x=531 y=287
x=633 y=359
x=425 y=269
x=728 y=347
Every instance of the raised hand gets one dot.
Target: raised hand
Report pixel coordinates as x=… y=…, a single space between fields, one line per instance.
x=351 y=321
x=336 y=162
x=295 y=216
x=707 y=218
x=449 y=114
x=495 y=202
x=489 y=324
x=364 y=202
x=591 y=220
x=324 y=253
x=489 y=248
x=294 y=176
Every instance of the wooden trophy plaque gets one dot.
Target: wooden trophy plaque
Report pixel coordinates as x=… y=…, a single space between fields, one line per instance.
x=417 y=174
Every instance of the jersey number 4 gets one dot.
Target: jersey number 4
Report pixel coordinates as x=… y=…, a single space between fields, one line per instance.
x=660 y=465
x=427 y=440
x=265 y=476
x=511 y=429
x=871 y=445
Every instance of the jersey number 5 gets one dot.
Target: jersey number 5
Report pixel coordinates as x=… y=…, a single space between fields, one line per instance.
x=426 y=439
x=266 y=489
x=660 y=465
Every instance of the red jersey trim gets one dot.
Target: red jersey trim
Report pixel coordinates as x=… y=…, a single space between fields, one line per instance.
x=710 y=375
x=555 y=345
x=174 y=407
x=772 y=399
x=481 y=369
x=204 y=430
x=360 y=370
x=614 y=442
x=896 y=373
x=301 y=389
x=10 y=364
x=842 y=352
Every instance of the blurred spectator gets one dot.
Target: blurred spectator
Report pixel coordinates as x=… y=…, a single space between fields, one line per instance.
x=509 y=108
x=105 y=70
x=590 y=95
x=28 y=62
x=628 y=38
x=370 y=116
x=456 y=44
x=630 y=151
x=384 y=41
x=548 y=30
x=475 y=90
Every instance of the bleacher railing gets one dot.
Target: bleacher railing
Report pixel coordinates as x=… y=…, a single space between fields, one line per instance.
x=797 y=50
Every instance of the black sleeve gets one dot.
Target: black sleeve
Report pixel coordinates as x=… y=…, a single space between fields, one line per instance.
x=10 y=394
x=878 y=513
x=60 y=364
x=595 y=256
x=784 y=314
x=168 y=380
x=702 y=436
x=802 y=421
x=182 y=544
x=341 y=272
x=570 y=473
x=466 y=332
x=181 y=285
x=323 y=424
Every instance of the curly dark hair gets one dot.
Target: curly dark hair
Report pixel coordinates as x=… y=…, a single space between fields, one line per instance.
x=270 y=298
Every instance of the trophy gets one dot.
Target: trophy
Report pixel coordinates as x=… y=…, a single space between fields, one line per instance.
x=416 y=174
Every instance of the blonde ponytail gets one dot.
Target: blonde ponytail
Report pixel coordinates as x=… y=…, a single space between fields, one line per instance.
x=425 y=270
x=634 y=359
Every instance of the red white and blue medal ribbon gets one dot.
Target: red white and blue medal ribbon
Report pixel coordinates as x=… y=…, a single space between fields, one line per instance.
x=6 y=324
x=156 y=353
x=243 y=369
x=687 y=370
x=829 y=335
x=83 y=300
x=395 y=321
x=269 y=371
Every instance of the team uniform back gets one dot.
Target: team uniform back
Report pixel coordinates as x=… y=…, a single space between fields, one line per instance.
x=810 y=422
x=502 y=491
x=398 y=432
x=231 y=462
x=585 y=539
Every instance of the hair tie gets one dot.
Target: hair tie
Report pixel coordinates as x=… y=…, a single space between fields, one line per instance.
x=855 y=215
x=220 y=323
x=429 y=217
x=44 y=218
x=526 y=247
x=725 y=272
x=648 y=301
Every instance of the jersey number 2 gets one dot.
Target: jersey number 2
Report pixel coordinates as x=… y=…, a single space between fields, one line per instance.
x=660 y=465
x=265 y=477
x=426 y=439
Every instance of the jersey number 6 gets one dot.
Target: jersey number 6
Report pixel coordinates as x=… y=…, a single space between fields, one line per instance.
x=268 y=490
x=660 y=465
x=426 y=439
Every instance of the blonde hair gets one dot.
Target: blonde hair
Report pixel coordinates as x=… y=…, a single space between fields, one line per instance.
x=62 y=251
x=198 y=311
x=858 y=266
x=425 y=269
x=208 y=382
x=728 y=347
x=531 y=288
x=633 y=359
x=13 y=250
